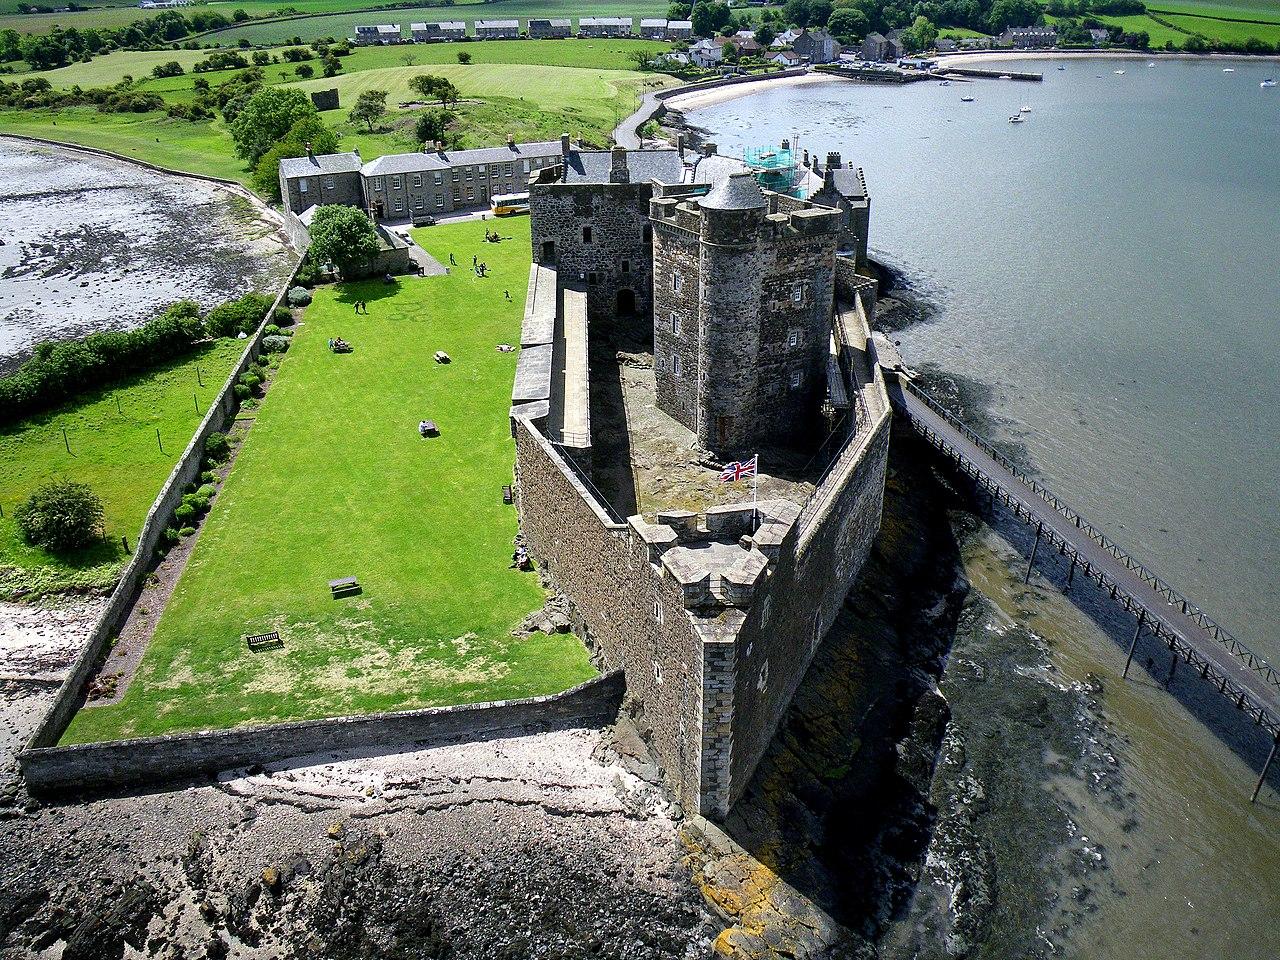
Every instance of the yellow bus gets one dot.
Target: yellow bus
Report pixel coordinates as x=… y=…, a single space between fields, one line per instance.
x=509 y=203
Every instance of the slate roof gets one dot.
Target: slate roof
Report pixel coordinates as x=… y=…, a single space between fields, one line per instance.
x=680 y=24
x=498 y=23
x=324 y=163
x=605 y=21
x=434 y=160
x=738 y=191
x=653 y=23
x=593 y=166
x=441 y=25
x=849 y=182
x=715 y=168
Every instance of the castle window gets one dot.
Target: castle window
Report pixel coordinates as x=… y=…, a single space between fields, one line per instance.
x=675 y=282
x=764 y=612
x=762 y=682
x=797 y=292
x=591 y=278
x=797 y=378
x=658 y=613
x=626 y=266
x=439 y=177
x=419 y=203
x=675 y=323
x=647 y=233
x=657 y=672
x=793 y=338
x=586 y=234
x=395 y=183
x=675 y=366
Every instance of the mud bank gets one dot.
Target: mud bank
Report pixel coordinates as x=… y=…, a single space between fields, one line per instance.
x=92 y=243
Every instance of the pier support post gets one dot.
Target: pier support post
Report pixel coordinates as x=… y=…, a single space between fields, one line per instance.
x=1071 y=574
x=1173 y=667
x=1142 y=618
x=1265 y=767
x=1032 y=562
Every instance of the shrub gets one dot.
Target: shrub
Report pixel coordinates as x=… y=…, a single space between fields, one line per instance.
x=241 y=392
x=308 y=276
x=196 y=502
x=186 y=531
x=275 y=344
x=271 y=330
x=169 y=537
x=60 y=515
x=282 y=317
x=299 y=296
x=208 y=477
x=206 y=492
x=185 y=513
x=217 y=447
x=237 y=316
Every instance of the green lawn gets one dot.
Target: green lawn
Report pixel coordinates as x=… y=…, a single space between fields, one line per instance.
x=333 y=480
x=1229 y=9
x=1227 y=29
x=114 y=451
x=1158 y=32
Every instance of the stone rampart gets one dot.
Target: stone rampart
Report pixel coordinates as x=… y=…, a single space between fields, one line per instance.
x=185 y=755
x=221 y=412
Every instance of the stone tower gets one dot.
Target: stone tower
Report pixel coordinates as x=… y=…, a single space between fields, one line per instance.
x=743 y=286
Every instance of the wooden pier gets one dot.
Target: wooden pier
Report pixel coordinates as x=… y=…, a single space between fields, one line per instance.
x=1250 y=683
x=942 y=70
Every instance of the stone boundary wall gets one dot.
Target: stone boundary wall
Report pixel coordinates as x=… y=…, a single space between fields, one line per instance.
x=296 y=230
x=221 y=412
x=179 y=756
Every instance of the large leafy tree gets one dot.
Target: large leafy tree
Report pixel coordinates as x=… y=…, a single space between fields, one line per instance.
x=308 y=131
x=1013 y=13
x=709 y=17
x=430 y=87
x=343 y=236
x=371 y=105
x=921 y=35
x=267 y=118
x=848 y=25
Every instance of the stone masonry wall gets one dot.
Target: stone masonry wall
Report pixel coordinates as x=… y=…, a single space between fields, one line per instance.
x=618 y=256
x=632 y=617
x=675 y=321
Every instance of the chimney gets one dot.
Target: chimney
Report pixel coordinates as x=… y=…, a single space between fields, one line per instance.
x=786 y=144
x=511 y=142
x=618 y=172
x=310 y=155
x=833 y=164
x=564 y=144
x=708 y=149
x=440 y=147
x=806 y=158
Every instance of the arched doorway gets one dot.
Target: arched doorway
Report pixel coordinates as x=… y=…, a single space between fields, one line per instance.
x=626 y=302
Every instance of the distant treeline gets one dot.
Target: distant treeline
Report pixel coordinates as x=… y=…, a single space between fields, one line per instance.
x=58 y=371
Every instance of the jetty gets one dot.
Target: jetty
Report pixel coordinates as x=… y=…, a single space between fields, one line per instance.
x=1244 y=678
x=980 y=74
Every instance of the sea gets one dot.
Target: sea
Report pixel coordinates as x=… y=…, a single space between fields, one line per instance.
x=1099 y=286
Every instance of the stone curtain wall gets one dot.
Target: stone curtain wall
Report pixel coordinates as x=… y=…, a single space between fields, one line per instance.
x=220 y=413
x=618 y=216
x=852 y=286
x=633 y=619
x=178 y=756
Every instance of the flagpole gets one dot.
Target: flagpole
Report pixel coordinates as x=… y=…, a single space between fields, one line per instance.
x=755 y=493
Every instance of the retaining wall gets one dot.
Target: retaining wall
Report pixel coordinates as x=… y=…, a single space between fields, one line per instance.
x=180 y=756
x=220 y=413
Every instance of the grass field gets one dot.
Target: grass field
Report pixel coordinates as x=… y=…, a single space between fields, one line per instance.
x=1227 y=29
x=1229 y=9
x=1158 y=32
x=333 y=480
x=114 y=451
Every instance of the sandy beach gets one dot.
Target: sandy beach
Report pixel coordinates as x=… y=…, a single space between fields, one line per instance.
x=697 y=99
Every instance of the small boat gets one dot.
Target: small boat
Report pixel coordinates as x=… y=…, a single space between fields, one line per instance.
x=1005 y=76
x=1017 y=118
x=1228 y=69
x=966 y=99
x=1267 y=83
x=1024 y=109
x=1062 y=68
x=944 y=83
x=1151 y=64
x=1118 y=73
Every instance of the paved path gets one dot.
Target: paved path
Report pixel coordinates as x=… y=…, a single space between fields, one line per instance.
x=1240 y=675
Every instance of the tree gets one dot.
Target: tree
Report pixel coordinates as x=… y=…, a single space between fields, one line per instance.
x=239 y=16
x=332 y=67
x=463 y=57
x=431 y=87
x=848 y=25
x=171 y=69
x=343 y=236
x=304 y=70
x=432 y=125
x=797 y=12
x=679 y=11
x=60 y=515
x=765 y=35
x=709 y=17
x=921 y=35
x=266 y=118
x=643 y=59
x=1013 y=13
x=308 y=132
x=371 y=105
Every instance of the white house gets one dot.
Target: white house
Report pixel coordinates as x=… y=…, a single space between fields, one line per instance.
x=706 y=53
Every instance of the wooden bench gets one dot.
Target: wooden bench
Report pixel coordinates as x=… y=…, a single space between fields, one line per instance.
x=508 y=496
x=344 y=586
x=256 y=641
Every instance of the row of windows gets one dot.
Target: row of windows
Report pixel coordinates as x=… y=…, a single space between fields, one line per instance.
x=796 y=378
x=508 y=169
x=793 y=336
x=646 y=234
x=677 y=281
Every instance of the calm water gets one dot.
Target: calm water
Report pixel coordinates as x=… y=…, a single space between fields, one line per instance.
x=1111 y=267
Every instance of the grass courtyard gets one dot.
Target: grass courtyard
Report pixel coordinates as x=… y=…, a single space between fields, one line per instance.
x=114 y=451
x=333 y=480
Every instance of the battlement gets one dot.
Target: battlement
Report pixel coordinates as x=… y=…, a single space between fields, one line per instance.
x=742 y=214
x=721 y=556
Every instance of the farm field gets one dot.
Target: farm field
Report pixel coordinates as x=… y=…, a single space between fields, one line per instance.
x=114 y=451
x=109 y=17
x=343 y=24
x=1227 y=29
x=333 y=480
x=1227 y=9
x=1158 y=32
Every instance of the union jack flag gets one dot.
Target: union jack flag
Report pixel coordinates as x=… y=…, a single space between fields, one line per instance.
x=738 y=469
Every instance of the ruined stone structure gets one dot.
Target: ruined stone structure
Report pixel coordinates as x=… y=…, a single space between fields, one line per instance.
x=590 y=220
x=743 y=288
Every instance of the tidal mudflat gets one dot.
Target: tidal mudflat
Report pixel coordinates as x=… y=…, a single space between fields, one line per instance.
x=92 y=243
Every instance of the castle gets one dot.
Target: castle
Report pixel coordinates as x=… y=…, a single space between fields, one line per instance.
x=758 y=321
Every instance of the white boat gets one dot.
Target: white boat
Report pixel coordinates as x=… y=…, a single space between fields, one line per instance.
x=1024 y=109
x=966 y=99
x=1118 y=73
x=1005 y=76
x=1017 y=118
x=1267 y=83
x=1062 y=68
x=1151 y=64
x=1228 y=69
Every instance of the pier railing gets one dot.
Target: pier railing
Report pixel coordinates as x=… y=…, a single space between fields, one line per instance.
x=1188 y=608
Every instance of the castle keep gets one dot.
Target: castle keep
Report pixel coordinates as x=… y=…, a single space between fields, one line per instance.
x=758 y=325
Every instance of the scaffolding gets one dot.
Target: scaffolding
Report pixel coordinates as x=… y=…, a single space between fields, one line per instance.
x=775 y=168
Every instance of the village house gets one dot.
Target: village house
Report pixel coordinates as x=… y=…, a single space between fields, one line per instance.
x=559 y=29
x=1099 y=35
x=314 y=181
x=438 y=32
x=679 y=29
x=945 y=45
x=785 y=58
x=817 y=46
x=785 y=39
x=1029 y=38
x=877 y=48
x=605 y=26
x=382 y=33
x=706 y=53
x=653 y=29
x=497 y=29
